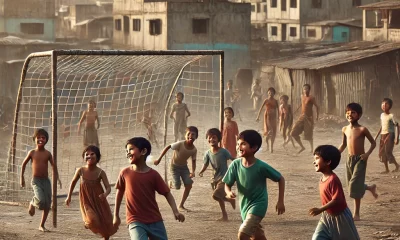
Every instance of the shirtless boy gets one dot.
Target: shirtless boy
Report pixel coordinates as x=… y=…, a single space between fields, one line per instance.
x=356 y=165
x=305 y=123
x=90 y=136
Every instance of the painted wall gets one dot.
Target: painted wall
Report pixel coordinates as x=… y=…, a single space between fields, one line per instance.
x=293 y=38
x=318 y=33
x=278 y=36
x=29 y=9
x=12 y=25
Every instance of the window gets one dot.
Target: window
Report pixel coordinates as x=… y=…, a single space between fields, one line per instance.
x=265 y=8
x=117 y=24
x=253 y=8
x=292 y=32
x=155 y=27
x=258 y=7
x=136 y=24
x=283 y=5
x=316 y=3
x=356 y=3
x=293 y=3
x=200 y=26
x=274 y=4
x=32 y=28
x=274 y=31
x=344 y=34
x=126 y=24
x=311 y=33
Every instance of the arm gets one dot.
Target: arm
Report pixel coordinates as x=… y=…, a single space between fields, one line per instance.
x=171 y=201
x=72 y=186
x=229 y=193
x=343 y=146
x=316 y=108
x=379 y=132
x=259 y=112
x=280 y=206
x=54 y=166
x=316 y=211
x=194 y=157
x=203 y=169
x=187 y=110
x=107 y=186
x=162 y=155
x=98 y=120
x=26 y=160
x=280 y=118
x=396 y=141
x=371 y=148
x=83 y=118
x=118 y=199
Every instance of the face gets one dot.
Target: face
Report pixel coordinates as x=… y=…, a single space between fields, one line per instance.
x=352 y=116
x=212 y=140
x=271 y=93
x=179 y=98
x=306 y=90
x=90 y=157
x=229 y=85
x=244 y=149
x=134 y=154
x=228 y=114
x=320 y=164
x=41 y=140
x=190 y=137
x=91 y=105
x=385 y=106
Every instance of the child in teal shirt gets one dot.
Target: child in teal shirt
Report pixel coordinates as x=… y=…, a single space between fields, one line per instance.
x=250 y=174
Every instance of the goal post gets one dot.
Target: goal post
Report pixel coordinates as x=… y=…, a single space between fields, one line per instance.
x=128 y=86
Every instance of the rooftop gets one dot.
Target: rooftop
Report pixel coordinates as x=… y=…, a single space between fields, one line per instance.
x=345 y=22
x=382 y=5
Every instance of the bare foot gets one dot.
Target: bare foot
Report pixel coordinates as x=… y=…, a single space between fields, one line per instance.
x=223 y=219
x=43 y=229
x=396 y=170
x=31 y=210
x=373 y=191
x=233 y=203
x=356 y=218
x=170 y=184
x=301 y=150
x=182 y=208
x=272 y=150
x=385 y=172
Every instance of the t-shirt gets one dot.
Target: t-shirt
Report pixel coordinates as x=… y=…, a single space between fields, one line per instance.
x=387 y=122
x=218 y=162
x=140 y=194
x=251 y=185
x=182 y=154
x=330 y=190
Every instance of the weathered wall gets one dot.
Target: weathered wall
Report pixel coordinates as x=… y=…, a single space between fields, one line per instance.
x=259 y=12
x=277 y=13
x=13 y=25
x=29 y=9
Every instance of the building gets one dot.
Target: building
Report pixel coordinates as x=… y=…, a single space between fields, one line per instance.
x=334 y=31
x=33 y=19
x=186 y=25
x=381 y=21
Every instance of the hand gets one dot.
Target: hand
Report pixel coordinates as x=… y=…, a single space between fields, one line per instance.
x=59 y=182
x=192 y=175
x=103 y=196
x=231 y=195
x=179 y=216
x=156 y=162
x=68 y=201
x=314 y=211
x=200 y=174
x=280 y=208
x=364 y=157
x=22 y=181
x=116 y=222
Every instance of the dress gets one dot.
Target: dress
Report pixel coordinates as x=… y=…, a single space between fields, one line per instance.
x=270 y=119
x=96 y=213
x=229 y=133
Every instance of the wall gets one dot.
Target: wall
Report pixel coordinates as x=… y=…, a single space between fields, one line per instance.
x=259 y=15
x=318 y=33
x=394 y=35
x=375 y=34
x=29 y=9
x=12 y=25
x=277 y=15
x=278 y=36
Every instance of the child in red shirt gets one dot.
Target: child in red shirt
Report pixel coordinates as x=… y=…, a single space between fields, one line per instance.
x=139 y=183
x=336 y=221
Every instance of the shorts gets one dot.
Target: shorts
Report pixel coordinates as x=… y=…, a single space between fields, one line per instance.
x=179 y=172
x=42 y=190
x=251 y=226
x=219 y=191
x=152 y=231
x=355 y=175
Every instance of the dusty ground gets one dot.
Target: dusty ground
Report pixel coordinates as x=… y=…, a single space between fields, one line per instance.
x=379 y=217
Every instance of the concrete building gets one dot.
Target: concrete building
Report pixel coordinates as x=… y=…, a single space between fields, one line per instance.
x=334 y=31
x=31 y=19
x=186 y=25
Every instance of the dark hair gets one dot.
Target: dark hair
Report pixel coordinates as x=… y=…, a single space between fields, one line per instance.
x=230 y=109
x=328 y=153
x=230 y=81
x=180 y=93
x=92 y=102
x=252 y=137
x=354 y=107
x=141 y=143
x=214 y=132
x=271 y=89
x=40 y=131
x=285 y=97
x=388 y=101
x=94 y=149
x=307 y=85
x=193 y=129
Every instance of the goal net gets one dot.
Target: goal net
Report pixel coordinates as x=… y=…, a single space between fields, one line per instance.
x=132 y=90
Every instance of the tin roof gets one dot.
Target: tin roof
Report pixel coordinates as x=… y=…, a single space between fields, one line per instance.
x=382 y=5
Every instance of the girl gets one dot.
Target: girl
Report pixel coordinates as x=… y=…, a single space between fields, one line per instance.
x=229 y=132
x=285 y=119
x=96 y=212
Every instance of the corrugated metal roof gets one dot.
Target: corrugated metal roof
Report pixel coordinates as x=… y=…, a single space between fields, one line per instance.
x=12 y=40
x=382 y=5
x=346 y=22
x=334 y=55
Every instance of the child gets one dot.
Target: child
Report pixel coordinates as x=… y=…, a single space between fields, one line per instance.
x=388 y=136
x=285 y=119
x=217 y=157
x=256 y=94
x=236 y=103
x=180 y=109
x=356 y=165
x=139 y=183
x=96 y=212
x=270 y=117
x=183 y=150
x=151 y=130
x=251 y=174
x=336 y=222
x=229 y=132
x=228 y=94
x=41 y=185
x=90 y=136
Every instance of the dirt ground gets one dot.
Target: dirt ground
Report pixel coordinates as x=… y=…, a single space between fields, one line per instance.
x=379 y=217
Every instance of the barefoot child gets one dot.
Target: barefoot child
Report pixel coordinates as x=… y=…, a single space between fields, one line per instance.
x=183 y=150
x=180 y=119
x=139 y=183
x=251 y=174
x=336 y=222
x=90 y=136
x=41 y=185
x=256 y=94
x=228 y=94
x=218 y=158
x=96 y=212
x=356 y=165
x=270 y=117
x=389 y=137
x=229 y=132
x=285 y=119
x=151 y=130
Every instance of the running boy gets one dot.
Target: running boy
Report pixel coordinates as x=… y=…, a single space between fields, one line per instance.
x=41 y=185
x=389 y=137
x=251 y=174
x=336 y=222
x=356 y=165
x=180 y=119
x=139 y=183
x=183 y=150
x=90 y=136
x=218 y=158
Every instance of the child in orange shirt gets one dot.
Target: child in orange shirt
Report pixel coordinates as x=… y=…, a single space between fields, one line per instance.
x=229 y=132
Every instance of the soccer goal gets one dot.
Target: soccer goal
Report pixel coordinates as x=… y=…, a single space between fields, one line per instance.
x=132 y=91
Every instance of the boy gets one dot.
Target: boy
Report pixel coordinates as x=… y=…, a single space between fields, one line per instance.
x=90 y=136
x=251 y=174
x=139 y=184
x=228 y=94
x=41 y=185
x=389 y=137
x=183 y=150
x=305 y=122
x=356 y=165
x=285 y=119
x=336 y=222
x=256 y=94
x=217 y=157
x=180 y=120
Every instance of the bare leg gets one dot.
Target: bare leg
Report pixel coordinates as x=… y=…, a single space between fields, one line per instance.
x=385 y=162
x=185 y=196
x=372 y=189
x=267 y=141
x=357 y=203
x=312 y=145
x=397 y=166
x=298 y=140
x=43 y=221
x=272 y=143
x=31 y=209
x=223 y=210
x=242 y=236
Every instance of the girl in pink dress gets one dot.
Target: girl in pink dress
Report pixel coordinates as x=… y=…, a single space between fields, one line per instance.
x=230 y=132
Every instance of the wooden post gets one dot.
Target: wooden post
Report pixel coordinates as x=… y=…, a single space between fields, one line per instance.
x=54 y=132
